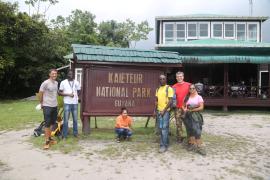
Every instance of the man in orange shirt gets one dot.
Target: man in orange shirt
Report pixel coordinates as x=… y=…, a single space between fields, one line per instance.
x=123 y=125
x=181 y=90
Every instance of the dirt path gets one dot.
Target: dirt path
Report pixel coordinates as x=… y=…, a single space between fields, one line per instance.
x=238 y=147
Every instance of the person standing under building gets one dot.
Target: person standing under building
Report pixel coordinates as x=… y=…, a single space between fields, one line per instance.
x=70 y=89
x=181 y=89
x=164 y=96
x=48 y=101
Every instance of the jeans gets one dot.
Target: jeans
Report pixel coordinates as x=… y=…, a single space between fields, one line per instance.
x=50 y=115
x=73 y=109
x=163 y=124
x=121 y=132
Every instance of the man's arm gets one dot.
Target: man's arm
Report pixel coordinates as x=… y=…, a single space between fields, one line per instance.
x=155 y=110
x=40 y=98
x=61 y=93
x=170 y=96
x=167 y=106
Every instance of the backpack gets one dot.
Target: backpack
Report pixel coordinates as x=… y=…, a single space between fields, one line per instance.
x=39 y=130
x=174 y=99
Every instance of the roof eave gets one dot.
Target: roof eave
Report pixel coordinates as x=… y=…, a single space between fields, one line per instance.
x=144 y=64
x=167 y=18
x=210 y=46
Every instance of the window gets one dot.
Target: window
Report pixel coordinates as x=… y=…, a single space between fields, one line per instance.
x=252 y=32
x=180 y=31
x=204 y=30
x=169 y=31
x=192 y=30
x=229 y=30
x=217 y=30
x=78 y=75
x=241 y=31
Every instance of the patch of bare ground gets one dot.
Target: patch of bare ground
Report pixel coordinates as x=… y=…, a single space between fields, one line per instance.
x=237 y=145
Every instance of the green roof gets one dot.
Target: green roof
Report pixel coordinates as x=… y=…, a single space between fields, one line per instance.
x=212 y=17
x=113 y=54
x=226 y=59
x=220 y=51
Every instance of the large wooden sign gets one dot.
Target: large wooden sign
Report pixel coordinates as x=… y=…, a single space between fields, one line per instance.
x=108 y=89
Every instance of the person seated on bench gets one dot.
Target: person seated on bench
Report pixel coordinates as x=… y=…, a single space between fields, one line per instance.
x=123 y=125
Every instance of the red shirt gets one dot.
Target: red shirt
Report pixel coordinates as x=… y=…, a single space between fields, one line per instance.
x=181 y=90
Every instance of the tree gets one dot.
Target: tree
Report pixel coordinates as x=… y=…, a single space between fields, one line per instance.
x=81 y=27
x=36 y=6
x=30 y=50
x=123 y=34
x=110 y=34
x=29 y=47
x=134 y=33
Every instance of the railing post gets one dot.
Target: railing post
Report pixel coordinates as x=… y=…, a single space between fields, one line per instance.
x=258 y=81
x=225 y=83
x=268 y=80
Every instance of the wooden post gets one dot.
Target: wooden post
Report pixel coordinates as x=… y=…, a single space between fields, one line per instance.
x=96 y=122
x=258 y=81
x=268 y=80
x=86 y=125
x=146 y=124
x=225 y=90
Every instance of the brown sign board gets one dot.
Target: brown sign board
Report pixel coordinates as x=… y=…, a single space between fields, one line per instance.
x=107 y=89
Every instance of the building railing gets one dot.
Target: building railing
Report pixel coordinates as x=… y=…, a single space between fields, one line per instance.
x=240 y=91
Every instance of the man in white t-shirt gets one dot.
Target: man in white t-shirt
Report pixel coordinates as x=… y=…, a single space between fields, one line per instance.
x=70 y=89
x=48 y=101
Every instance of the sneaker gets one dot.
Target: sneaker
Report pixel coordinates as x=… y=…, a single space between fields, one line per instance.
x=128 y=138
x=191 y=147
x=75 y=135
x=53 y=142
x=201 y=151
x=162 y=150
x=46 y=145
x=118 y=140
x=180 y=140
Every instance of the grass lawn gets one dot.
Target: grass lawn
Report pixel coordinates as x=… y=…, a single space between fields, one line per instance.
x=15 y=115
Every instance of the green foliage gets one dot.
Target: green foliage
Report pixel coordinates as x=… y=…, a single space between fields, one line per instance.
x=111 y=34
x=81 y=27
x=36 y=6
x=123 y=34
x=29 y=47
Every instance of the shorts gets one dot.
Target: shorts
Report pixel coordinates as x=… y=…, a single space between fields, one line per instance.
x=50 y=115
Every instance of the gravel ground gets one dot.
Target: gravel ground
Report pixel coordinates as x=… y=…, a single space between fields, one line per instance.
x=238 y=147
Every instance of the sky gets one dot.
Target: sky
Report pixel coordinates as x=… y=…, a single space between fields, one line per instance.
x=141 y=10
